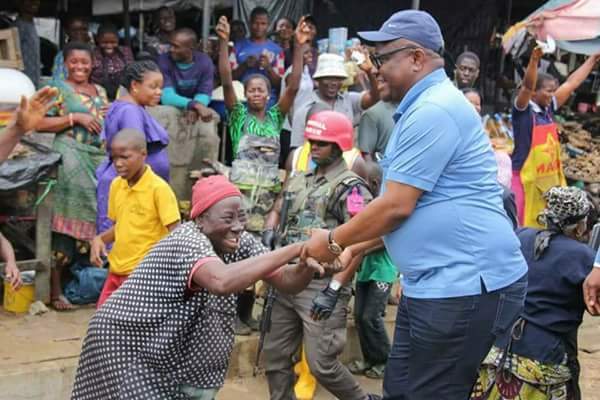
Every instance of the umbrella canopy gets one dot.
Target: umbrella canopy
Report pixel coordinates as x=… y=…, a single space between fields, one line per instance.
x=575 y=24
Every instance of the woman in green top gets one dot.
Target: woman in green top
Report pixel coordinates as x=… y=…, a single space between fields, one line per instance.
x=77 y=119
x=254 y=132
x=256 y=119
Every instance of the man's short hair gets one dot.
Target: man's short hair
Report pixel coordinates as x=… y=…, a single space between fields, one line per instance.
x=256 y=11
x=132 y=137
x=468 y=55
x=188 y=33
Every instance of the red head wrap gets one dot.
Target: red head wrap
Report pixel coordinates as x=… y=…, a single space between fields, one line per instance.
x=209 y=191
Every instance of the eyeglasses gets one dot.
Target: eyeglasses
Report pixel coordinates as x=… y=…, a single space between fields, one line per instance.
x=379 y=59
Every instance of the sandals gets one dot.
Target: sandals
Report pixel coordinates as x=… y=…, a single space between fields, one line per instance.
x=375 y=372
x=358 y=367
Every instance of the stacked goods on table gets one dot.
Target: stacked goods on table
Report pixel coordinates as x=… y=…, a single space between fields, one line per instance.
x=581 y=150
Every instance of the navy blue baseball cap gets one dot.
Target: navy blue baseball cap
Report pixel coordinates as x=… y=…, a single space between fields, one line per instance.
x=414 y=25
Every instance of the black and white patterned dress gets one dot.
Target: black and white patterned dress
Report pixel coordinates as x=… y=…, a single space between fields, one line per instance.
x=154 y=335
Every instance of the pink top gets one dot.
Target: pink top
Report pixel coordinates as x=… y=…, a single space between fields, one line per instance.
x=504 y=168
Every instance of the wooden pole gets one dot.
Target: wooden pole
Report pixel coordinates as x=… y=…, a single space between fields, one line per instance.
x=141 y=30
x=206 y=13
x=127 y=22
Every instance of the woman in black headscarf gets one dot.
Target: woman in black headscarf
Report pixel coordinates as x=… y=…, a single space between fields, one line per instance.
x=538 y=359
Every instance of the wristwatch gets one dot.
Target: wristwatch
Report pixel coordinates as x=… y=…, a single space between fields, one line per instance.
x=333 y=246
x=335 y=285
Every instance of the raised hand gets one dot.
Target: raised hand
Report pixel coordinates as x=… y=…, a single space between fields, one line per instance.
x=537 y=53
x=31 y=111
x=303 y=32
x=223 y=29
x=367 y=64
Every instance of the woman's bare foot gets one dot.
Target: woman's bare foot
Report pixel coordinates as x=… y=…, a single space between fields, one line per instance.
x=61 y=303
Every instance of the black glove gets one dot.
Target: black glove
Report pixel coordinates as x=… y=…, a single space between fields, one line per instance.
x=268 y=238
x=324 y=304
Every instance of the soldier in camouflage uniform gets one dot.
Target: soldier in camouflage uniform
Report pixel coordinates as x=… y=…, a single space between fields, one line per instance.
x=324 y=197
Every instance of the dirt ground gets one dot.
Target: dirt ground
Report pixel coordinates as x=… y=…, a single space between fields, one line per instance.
x=55 y=339
x=256 y=388
x=589 y=358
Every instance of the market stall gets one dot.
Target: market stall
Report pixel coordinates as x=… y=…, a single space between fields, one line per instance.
x=26 y=181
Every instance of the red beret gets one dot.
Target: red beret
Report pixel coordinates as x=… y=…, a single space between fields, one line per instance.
x=209 y=191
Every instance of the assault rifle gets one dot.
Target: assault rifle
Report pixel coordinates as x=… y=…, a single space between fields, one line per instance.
x=265 y=320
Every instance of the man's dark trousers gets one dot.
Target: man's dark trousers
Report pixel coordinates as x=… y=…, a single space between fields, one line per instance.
x=439 y=344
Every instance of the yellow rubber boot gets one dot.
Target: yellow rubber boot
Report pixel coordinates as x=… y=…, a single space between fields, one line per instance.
x=306 y=385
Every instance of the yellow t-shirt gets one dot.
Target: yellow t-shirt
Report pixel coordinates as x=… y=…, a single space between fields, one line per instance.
x=141 y=214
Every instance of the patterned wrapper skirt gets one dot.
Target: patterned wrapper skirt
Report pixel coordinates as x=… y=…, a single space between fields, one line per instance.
x=521 y=378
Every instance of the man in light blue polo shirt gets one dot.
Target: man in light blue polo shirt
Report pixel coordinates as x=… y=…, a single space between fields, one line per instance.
x=442 y=220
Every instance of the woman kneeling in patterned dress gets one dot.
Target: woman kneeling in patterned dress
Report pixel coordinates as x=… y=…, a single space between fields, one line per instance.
x=167 y=333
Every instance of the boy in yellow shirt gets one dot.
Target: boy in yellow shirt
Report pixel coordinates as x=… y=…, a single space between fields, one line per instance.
x=141 y=204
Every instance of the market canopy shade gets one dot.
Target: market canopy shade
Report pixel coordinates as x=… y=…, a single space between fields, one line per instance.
x=106 y=7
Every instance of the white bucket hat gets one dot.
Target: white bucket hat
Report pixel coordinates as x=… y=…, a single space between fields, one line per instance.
x=330 y=65
x=238 y=88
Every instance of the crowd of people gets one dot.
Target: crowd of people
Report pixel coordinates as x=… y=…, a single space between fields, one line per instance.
x=388 y=170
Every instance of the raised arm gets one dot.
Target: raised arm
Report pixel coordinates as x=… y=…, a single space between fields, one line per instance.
x=529 y=81
x=565 y=90
x=293 y=83
x=223 y=30
x=370 y=97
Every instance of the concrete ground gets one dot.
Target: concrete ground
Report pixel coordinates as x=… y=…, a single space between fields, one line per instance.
x=38 y=358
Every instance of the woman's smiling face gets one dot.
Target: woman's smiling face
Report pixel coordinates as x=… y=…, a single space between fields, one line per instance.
x=223 y=224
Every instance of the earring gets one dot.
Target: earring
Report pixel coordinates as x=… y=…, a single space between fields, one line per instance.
x=135 y=90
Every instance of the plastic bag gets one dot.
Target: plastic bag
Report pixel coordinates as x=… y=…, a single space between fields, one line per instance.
x=20 y=172
x=86 y=285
